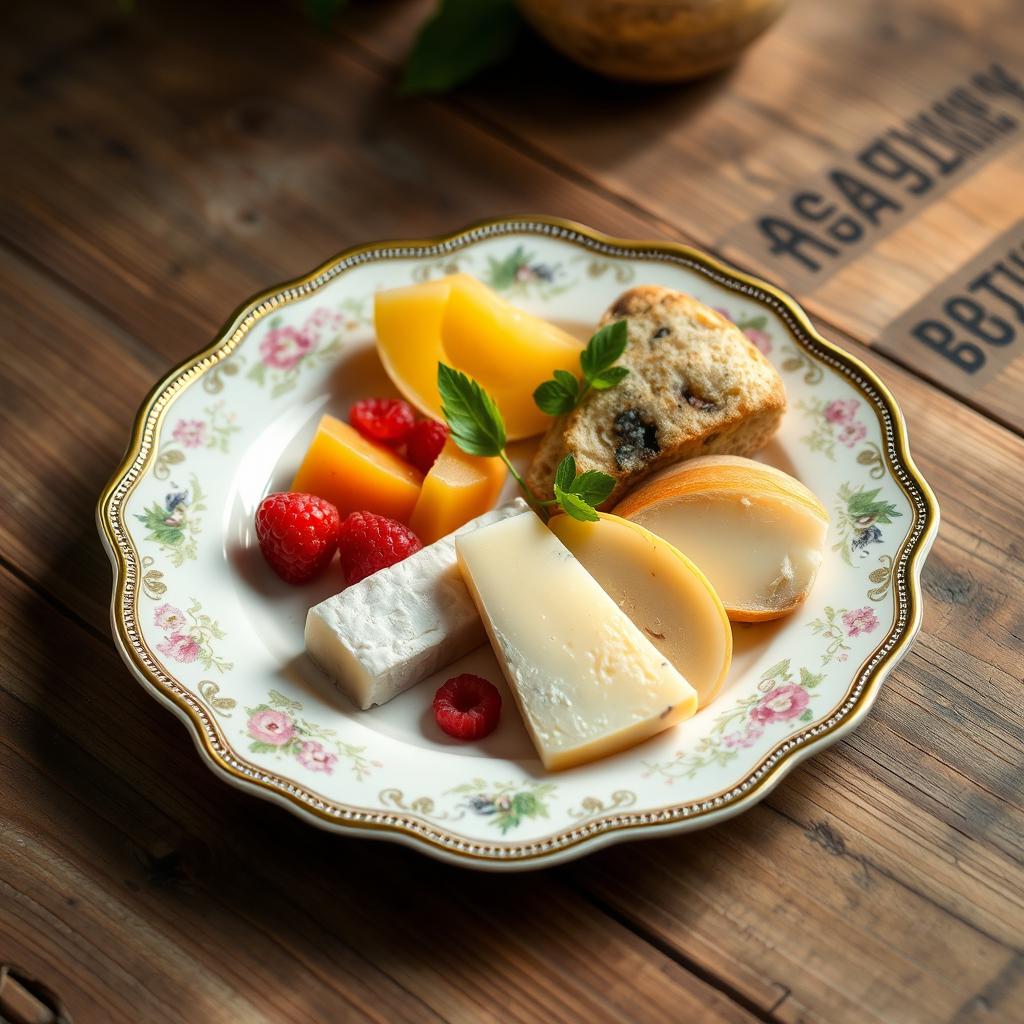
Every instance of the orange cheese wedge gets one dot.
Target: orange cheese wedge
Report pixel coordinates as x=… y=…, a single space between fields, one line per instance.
x=459 y=487
x=758 y=534
x=356 y=475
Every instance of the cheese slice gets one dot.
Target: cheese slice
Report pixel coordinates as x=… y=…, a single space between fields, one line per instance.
x=396 y=627
x=588 y=683
x=661 y=590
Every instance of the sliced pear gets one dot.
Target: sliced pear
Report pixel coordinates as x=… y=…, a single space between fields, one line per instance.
x=758 y=534
x=664 y=594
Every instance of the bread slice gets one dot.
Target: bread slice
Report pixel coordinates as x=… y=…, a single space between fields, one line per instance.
x=696 y=386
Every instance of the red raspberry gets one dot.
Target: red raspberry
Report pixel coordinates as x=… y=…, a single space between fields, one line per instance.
x=424 y=444
x=384 y=420
x=467 y=707
x=368 y=542
x=298 y=534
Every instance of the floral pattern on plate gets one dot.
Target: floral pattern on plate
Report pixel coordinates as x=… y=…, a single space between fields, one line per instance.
x=237 y=653
x=276 y=727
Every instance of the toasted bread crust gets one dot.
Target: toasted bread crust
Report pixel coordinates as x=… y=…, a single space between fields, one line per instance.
x=697 y=386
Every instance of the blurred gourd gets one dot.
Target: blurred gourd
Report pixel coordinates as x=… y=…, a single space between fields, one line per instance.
x=651 y=40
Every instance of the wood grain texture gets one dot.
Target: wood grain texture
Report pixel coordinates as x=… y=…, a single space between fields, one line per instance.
x=709 y=158
x=882 y=880
x=140 y=889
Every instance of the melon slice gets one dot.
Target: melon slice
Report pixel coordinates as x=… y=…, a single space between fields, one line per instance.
x=758 y=534
x=664 y=594
x=462 y=322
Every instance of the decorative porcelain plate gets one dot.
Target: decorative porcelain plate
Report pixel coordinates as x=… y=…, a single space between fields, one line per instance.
x=210 y=631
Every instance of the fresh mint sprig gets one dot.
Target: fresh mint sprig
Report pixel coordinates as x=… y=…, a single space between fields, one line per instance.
x=477 y=427
x=580 y=493
x=564 y=393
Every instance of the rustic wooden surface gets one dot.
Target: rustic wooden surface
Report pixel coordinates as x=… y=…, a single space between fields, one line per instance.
x=161 y=166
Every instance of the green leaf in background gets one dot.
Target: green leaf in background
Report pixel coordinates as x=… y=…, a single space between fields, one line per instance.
x=604 y=349
x=462 y=38
x=323 y=11
x=473 y=418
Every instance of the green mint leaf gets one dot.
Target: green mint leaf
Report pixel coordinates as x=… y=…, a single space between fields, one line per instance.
x=565 y=475
x=609 y=378
x=473 y=418
x=461 y=38
x=575 y=506
x=567 y=380
x=603 y=349
x=323 y=11
x=554 y=398
x=593 y=486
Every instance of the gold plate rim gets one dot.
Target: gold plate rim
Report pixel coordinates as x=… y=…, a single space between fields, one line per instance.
x=599 y=831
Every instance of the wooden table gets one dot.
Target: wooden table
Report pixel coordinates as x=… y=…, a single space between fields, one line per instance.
x=161 y=166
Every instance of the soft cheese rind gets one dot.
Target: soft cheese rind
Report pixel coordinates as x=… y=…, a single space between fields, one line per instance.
x=389 y=631
x=587 y=681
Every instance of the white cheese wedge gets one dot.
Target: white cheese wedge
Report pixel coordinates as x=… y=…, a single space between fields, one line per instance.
x=394 y=628
x=588 y=683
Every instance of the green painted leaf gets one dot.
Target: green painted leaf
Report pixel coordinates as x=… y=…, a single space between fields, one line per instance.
x=462 y=38
x=259 y=747
x=807 y=716
x=575 y=506
x=604 y=348
x=473 y=418
x=609 y=378
x=808 y=679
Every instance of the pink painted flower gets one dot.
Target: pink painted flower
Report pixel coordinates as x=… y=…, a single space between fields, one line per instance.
x=841 y=411
x=168 y=617
x=312 y=755
x=744 y=737
x=283 y=347
x=190 y=433
x=273 y=727
x=761 y=340
x=861 y=620
x=852 y=433
x=180 y=647
x=780 y=703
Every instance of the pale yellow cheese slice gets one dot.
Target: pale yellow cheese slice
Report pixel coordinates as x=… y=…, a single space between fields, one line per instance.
x=588 y=683
x=661 y=590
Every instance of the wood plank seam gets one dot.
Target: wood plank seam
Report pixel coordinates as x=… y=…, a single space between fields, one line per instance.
x=764 y=1014
x=691 y=968
x=840 y=850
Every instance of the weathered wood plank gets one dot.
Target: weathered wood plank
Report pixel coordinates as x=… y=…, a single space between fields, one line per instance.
x=711 y=157
x=882 y=880
x=140 y=888
x=147 y=182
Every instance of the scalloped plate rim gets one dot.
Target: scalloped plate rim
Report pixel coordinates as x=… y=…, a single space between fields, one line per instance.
x=916 y=549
